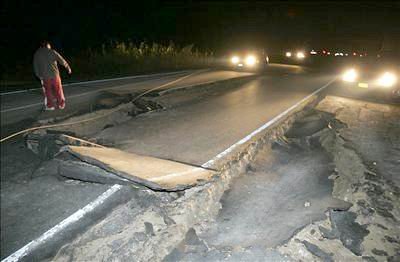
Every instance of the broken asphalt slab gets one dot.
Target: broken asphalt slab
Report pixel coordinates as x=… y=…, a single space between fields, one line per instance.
x=154 y=173
x=345 y=228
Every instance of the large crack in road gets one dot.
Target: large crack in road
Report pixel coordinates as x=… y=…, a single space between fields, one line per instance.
x=309 y=188
x=312 y=196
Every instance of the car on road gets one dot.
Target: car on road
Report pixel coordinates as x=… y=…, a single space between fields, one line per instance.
x=379 y=74
x=248 y=60
x=295 y=57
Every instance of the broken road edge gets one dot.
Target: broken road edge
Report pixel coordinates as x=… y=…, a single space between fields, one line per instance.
x=170 y=218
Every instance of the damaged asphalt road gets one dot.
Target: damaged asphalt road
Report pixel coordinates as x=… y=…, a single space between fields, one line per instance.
x=314 y=191
x=291 y=204
x=364 y=147
x=26 y=176
x=286 y=188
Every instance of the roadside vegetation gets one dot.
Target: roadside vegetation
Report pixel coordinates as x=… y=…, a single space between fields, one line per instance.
x=116 y=59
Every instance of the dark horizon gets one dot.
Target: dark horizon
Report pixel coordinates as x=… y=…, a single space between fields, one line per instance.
x=217 y=26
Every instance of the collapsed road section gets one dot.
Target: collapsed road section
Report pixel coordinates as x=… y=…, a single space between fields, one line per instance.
x=366 y=153
x=308 y=189
x=323 y=162
x=205 y=121
x=35 y=198
x=150 y=225
x=328 y=190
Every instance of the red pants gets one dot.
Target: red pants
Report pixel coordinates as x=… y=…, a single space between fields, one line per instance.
x=52 y=89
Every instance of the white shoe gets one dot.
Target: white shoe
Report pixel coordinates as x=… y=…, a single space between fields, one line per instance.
x=61 y=107
x=50 y=108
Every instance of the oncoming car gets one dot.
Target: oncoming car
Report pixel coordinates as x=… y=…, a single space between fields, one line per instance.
x=297 y=57
x=381 y=74
x=250 y=60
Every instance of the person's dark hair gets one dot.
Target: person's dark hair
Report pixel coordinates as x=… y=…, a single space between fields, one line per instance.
x=44 y=43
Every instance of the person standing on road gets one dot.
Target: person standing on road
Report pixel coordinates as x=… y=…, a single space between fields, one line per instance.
x=45 y=66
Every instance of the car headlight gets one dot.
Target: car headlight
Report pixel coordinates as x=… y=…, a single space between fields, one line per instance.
x=288 y=54
x=350 y=75
x=235 y=59
x=387 y=79
x=300 y=55
x=251 y=60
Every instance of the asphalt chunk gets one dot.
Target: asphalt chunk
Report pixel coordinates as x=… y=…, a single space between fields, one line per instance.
x=379 y=252
x=350 y=233
x=316 y=251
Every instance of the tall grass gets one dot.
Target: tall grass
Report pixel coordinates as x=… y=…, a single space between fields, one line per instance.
x=122 y=58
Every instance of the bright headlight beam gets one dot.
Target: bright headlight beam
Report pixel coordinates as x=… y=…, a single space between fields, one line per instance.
x=288 y=54
x=387 y=79
x=250 y=60
x=350 y=75
x=235 y=59
x=300 y=55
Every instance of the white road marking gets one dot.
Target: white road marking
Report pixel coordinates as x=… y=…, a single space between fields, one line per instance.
x=99 y=81
x=263 y=127
x=103 y=197
x=191 y=171
x=127 y=77
x=20 y=107
x=62 y=225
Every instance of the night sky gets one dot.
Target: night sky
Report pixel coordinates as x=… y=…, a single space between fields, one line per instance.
x=73 y=26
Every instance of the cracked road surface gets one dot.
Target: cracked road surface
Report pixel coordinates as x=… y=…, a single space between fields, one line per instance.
x=194 y=128
x=319 y=194
x=207 y=123
x=286 y=188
